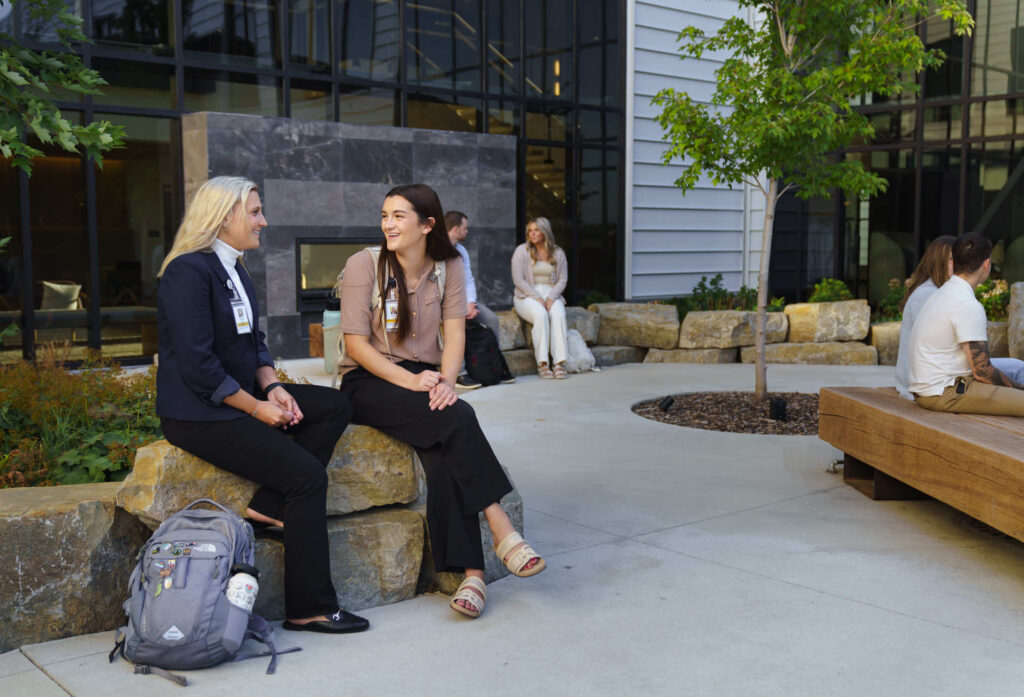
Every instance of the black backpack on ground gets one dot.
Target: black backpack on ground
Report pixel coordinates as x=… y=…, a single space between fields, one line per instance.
x=484 y=362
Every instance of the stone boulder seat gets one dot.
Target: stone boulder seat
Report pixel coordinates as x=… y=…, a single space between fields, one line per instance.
x=895 y=449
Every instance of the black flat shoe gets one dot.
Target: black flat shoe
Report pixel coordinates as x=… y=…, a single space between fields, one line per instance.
x=341 y=622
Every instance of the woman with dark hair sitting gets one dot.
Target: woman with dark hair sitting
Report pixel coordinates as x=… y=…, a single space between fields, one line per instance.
x=401 y=381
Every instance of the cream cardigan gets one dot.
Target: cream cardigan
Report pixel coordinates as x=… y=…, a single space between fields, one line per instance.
x=522 y=274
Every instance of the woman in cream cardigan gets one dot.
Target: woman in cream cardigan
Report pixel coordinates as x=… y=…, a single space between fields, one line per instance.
x=540 y=272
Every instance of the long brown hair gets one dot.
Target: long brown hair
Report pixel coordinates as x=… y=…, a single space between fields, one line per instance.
x=425 y=202
x=934 y=265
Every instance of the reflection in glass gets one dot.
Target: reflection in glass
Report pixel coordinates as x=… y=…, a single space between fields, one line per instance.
x=548 y=122
x=503 y=118
x=371 y=107
x=547 y=180
x=239 y=93
x=309 y=34
x=444 y=112
x=599 y=128
x=946 y=80
x=442 y=43
x=11 y=275
x=994 y=203
x=142 y=25
x=548 y=32
x=503 y=46
x=145 y=85
x=894 y=126
x=942 y=122
x=599 y=212
x=136 y=209
x=368 y=32
x=240 y=31
x=319 y=262
x=40 y=29
x=311 y=100
x=6 y=19
x=940 y=188
x=599 y=53
x=997 y=66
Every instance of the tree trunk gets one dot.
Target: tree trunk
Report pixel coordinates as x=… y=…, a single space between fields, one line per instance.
x=760 y=376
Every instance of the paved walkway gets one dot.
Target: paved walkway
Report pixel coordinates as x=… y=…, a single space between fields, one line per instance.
x=681 y=562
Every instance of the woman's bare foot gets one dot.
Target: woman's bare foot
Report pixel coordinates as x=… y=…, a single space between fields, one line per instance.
x=260 y=518
x=501 y=527
x=478 y=573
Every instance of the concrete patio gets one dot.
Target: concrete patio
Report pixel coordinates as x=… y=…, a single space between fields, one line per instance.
x=681 y=562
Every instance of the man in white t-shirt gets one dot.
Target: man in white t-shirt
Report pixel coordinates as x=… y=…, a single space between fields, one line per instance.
x=950 y=367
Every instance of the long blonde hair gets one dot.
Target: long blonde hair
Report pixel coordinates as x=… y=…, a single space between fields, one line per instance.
x=213 y=203
x=544 y=225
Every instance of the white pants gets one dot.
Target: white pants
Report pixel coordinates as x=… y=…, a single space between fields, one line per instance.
x=548 y=327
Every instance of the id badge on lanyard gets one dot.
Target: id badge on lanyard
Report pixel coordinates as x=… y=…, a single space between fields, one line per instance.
x=238 y=309
x=391 y=312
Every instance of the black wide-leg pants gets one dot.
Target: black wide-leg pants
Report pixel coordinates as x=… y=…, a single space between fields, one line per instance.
x=463 y=475
x=289 y=465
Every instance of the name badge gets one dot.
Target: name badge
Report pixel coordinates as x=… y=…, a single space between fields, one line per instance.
x=238 y=308
x=391 y=315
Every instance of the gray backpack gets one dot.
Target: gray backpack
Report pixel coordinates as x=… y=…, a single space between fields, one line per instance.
x=179 y=617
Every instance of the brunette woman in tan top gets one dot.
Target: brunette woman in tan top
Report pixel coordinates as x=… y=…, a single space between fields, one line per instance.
x=540 y=273
x=401 y=381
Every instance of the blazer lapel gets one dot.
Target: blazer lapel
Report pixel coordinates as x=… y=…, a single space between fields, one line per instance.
x=250 y=291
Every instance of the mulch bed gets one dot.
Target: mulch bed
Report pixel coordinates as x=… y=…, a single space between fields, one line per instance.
x=736 y=412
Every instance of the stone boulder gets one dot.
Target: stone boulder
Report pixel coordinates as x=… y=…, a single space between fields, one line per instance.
x=706 y=355
x=584 y=321
x=647 y=325
x=1015 y=323
x=375 y=560
x=728 y=329
x=521 y=361
x=367 y=469
x=67 y=554
x=820 y=353
x=885 y=337
x=511 y=334
x=845 y=320
x=998 y=339
x=617 y=355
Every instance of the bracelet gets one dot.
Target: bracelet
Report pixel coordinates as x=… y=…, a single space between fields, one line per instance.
x=256 y=409
x=268 y=388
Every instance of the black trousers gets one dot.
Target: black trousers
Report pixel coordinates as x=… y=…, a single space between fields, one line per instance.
x=290 y=467
x=463 y=475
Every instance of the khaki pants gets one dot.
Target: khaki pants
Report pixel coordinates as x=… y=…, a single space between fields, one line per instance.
x=977 y=398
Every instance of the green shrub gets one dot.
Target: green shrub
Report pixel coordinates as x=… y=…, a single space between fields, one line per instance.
x=889 y=306
x=776 y=304
x=594 y=297
x=994 y=295
x=830 y=290
x=712 y=295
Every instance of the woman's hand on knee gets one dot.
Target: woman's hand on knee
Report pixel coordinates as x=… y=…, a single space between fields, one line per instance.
x=425 y=381
x=284 y=401
x=443 y=395
x=272 y=415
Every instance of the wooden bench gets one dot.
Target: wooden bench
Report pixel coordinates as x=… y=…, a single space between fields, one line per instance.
x=895 y=449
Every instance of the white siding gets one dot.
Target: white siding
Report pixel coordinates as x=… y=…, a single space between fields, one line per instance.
x=675 y=239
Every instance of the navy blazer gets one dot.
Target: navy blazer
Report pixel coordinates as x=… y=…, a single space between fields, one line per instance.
x=203 y=358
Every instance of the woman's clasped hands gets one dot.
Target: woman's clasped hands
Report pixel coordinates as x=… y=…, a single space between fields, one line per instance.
x=280 y=409
x=442 y=393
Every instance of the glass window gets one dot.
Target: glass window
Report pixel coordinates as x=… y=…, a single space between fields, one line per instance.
x=368 y=106
x=548 y=30
x=369 y=35
x=309 y=35
x=599 y=127
x=503 y=46
x=599 y=213
x=239 y=31
x=548 y=170
x=944 y=122
x=599 y=52
x=444 y=112
x=946 y=80
x=140 y=25
x=60 y=252
x=998 y=48
x=319 y=262
x=239 y=93
x=40 y=29
x=442 y=43
x=137 y=193
x=548 y=122
x=893 y=126
x=311 y=100
x=994 y=203
x=503 y=118
x=7 y=19
x=146 y=85
x=11 y=275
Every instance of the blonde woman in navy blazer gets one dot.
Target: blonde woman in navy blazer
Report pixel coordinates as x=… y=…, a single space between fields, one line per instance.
x=218 y=396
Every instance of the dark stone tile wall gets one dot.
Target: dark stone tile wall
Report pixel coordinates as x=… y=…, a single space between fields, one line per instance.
x=328 y=180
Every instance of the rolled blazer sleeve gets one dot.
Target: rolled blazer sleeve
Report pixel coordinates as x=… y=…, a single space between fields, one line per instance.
x=191 y=325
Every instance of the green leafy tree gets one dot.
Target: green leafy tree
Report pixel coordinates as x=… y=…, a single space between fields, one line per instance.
x=784 y=106
x=27 y=82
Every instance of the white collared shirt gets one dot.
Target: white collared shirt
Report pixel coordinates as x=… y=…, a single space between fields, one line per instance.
x=470 y=281
x=228 y=256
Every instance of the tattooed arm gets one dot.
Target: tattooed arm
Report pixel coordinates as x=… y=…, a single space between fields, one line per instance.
x=981 y=366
